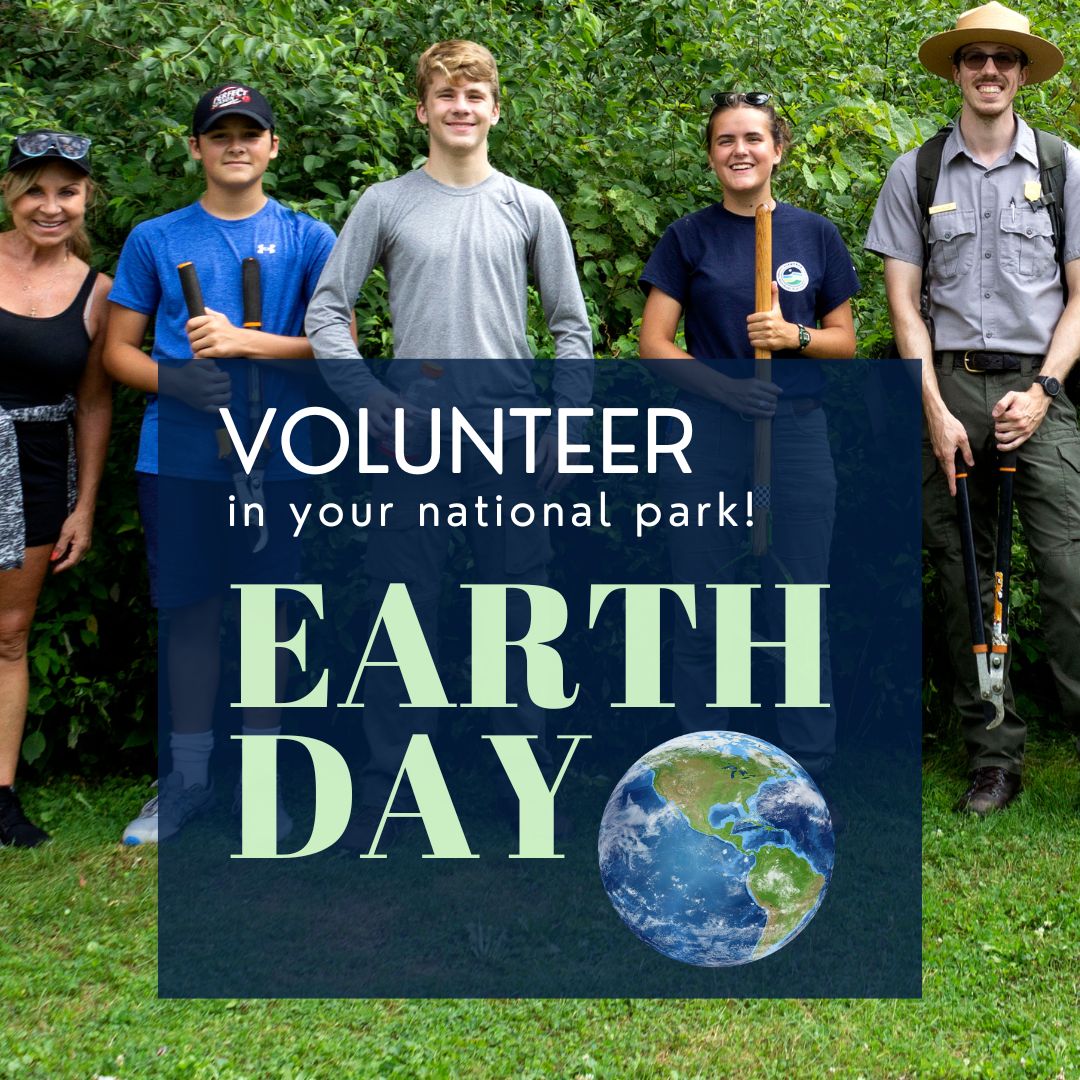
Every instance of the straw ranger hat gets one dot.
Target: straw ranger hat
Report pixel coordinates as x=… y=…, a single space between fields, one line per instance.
x=996 y=23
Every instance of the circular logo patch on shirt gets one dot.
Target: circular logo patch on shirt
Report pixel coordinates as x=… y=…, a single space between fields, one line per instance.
x=792 y=277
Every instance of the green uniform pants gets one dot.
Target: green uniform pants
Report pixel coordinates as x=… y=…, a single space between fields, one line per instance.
x=1047 y=496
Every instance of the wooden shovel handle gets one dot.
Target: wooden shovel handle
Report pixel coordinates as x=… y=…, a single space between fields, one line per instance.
x=762 y=270
x=762 y=370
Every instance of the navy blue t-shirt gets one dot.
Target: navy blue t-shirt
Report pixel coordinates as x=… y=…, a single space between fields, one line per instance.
x=705 y=261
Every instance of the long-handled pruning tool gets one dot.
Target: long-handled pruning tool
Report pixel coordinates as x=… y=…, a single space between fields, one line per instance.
x=989 y=659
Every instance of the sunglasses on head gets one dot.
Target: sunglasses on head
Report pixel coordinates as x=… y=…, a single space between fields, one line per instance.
x=35 y=143
x=729 y=99
x=1003 y=61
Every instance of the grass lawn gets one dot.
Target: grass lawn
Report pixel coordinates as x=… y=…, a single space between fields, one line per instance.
x=1001 y=975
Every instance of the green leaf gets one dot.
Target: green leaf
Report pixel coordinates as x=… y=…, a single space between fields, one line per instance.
x=33 y=746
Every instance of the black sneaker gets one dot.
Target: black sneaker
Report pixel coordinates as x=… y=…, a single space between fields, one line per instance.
x=15 y=829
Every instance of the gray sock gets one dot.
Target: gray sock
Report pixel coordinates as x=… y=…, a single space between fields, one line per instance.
x=191 y=756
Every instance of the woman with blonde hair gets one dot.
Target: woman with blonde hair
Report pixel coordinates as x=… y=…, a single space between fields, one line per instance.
x=55 y=409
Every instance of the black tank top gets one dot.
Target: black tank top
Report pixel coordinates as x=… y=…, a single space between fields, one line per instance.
x=41 y=360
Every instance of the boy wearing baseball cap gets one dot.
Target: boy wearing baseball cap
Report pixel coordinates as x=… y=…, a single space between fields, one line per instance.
x=233 y=136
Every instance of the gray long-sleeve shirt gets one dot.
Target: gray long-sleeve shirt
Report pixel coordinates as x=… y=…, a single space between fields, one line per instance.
x=457 y=261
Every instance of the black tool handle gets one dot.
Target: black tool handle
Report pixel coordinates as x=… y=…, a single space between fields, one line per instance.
x=967 y=545
x=189 y=282
x=252 y=284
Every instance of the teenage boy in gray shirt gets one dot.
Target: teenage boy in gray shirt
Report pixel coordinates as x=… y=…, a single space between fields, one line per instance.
x=457 y=240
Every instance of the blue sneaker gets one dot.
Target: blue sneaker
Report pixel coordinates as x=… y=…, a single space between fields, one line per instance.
x=144 y=829
x=169 y=811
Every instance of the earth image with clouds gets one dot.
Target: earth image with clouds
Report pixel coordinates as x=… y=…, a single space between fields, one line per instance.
x=716 y=848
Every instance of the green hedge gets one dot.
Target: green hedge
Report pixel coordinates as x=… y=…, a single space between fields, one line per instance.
x=604 y=103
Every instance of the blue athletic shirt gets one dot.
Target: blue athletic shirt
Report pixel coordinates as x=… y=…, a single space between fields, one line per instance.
x=291 y=248
x=705 y=261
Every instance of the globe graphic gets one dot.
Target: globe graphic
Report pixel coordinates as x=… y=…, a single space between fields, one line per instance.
x=716 y=848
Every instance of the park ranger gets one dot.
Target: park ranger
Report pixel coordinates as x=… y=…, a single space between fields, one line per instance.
x=996 y=347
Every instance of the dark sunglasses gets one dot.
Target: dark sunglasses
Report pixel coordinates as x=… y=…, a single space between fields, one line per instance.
x=729 y=99
x=1003 y=61
x=35 y=143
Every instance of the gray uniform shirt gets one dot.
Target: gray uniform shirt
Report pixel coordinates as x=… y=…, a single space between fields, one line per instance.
x=994 y=281
x=457 y=262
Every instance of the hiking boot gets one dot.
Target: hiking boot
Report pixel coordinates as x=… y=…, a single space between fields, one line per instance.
x=144 y=828
x=177 y=804
x=992 y=788
x=284 y=821
x=16 y=830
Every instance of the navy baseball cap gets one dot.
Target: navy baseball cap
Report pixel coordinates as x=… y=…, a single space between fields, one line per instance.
x=231 y=99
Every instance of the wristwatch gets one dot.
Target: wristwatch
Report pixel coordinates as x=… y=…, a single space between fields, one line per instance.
x=1049 y=384
x=804 y=337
